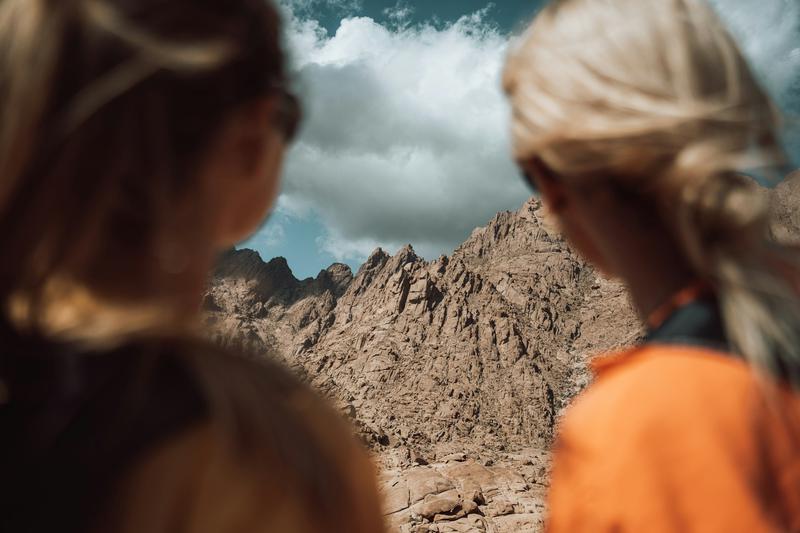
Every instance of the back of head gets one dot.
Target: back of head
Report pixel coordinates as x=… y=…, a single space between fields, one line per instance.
x=108 y=109
x=655 y=96
x=109 y=106
x=637 y=87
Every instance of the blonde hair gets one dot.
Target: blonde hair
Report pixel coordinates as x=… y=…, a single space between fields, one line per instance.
x=656 y=96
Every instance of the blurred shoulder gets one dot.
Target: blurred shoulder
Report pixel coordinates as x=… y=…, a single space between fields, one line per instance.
x=197 y=481
x=668 y=439
x=214 y=372
x=266 y=437
x=658 y=390
x=253 y=395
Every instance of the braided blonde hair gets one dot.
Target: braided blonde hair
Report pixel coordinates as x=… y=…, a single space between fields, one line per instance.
x=656 y=96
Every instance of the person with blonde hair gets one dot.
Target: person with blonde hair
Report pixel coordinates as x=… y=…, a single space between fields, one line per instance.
x=138 y=139
x=635 y=120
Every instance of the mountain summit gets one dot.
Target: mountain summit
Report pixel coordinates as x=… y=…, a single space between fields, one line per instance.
x=484 y=347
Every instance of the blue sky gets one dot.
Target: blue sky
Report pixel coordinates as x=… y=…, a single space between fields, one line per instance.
x=508 y=15
x=405 y=139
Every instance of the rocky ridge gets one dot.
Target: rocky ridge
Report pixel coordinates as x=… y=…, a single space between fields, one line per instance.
x=483 y=347
x=455 y=370
x=784 y=200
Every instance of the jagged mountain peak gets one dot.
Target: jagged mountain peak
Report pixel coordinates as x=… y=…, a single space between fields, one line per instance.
x=375 y=260
x=404 y=256
x=338 y=271
x=483 y=346
x=336 y=278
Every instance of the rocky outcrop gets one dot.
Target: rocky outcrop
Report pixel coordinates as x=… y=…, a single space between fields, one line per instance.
x=458 y=493
x=483 y=348
x=784 y=201
x=262 y=307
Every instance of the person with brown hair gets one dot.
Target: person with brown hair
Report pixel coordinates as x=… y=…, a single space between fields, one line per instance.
x=138 y=139
x=634 y=119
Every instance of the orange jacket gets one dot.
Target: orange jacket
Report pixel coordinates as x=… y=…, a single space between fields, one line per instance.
x=677 y=438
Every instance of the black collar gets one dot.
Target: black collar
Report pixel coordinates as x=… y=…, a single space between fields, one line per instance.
x=697 y=323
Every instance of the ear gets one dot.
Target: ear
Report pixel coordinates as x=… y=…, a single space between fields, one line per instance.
x=242 y=171
x=550 y=186
x=254 y=133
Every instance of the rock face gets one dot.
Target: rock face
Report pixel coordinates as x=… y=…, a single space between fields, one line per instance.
x=785 y=203
x=483 y=348
x=458 y=494
x=262 y=306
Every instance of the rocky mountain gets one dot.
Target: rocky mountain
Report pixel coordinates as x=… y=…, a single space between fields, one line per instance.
x=785 y=202
x=483 y=348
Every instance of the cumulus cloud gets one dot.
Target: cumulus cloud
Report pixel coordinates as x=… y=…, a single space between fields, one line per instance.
x=272 y=234
x=405 y=139
x=400 y=14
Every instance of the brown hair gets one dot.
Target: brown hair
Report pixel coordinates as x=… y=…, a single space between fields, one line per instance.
x=108 y=107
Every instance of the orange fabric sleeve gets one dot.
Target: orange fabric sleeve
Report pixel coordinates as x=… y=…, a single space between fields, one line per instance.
x=666 y=441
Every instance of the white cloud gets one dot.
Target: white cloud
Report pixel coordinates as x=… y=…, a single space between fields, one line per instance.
x=400 y=14
x=405 y=140
x=272 y=234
